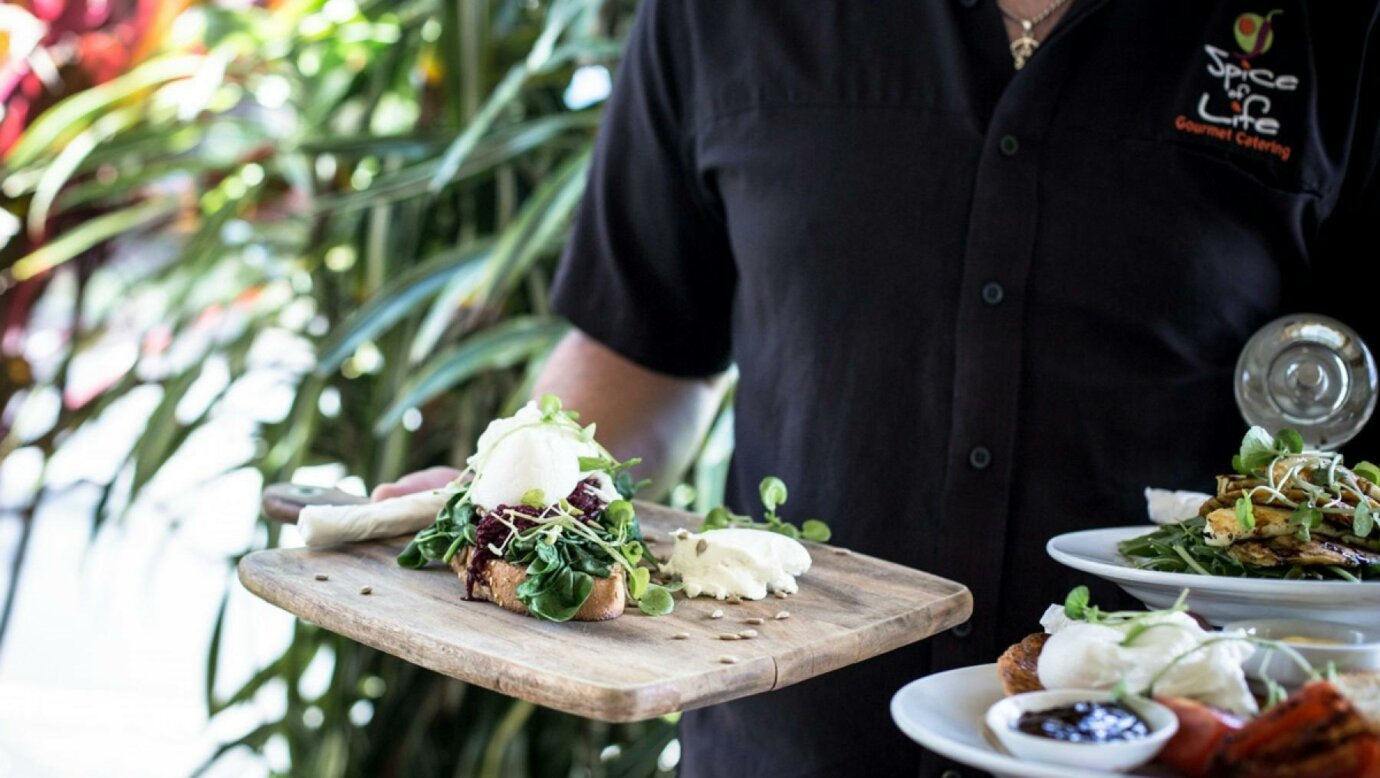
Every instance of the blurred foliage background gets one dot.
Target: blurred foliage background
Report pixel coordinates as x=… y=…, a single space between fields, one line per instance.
x=367 y=197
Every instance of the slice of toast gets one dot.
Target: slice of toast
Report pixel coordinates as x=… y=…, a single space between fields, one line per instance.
x=1019 y=667
x=499 y=580
x=1363 y=690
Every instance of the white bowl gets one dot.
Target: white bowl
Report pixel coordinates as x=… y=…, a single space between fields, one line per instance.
x=1357 y=648
x=1115 y=756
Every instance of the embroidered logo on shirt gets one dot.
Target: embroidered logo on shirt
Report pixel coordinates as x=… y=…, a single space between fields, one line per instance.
x=1237 y=107
x=1255 y=34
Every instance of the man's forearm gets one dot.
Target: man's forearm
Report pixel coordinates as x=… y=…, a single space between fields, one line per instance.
x=639 y=412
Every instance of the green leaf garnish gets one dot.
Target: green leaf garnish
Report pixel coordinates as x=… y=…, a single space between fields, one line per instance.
x=637 y=582
x=618 y=514
x=594 y=464
x=1368 y=471
x=656 y=601
x=1363 y=521
x=549 y=405
x=1245 y=514
x=1306 y=517
x=782 y=528
x=816 y=530
x=1257 y=450
x=1076 y=603
x=1289 y=441
x=773 y=493
x=717 y=518
x=534 y=498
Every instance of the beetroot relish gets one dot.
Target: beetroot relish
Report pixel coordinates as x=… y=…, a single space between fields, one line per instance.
x=586 y=498
x=490 y=531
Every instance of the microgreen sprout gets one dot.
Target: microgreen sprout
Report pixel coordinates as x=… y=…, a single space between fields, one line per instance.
x=773 y=493
x=534 y=498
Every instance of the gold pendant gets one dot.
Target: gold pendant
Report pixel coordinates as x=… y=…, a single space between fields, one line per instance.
x=1022 y=49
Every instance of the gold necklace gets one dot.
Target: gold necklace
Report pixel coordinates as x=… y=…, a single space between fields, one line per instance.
x=1023 y=48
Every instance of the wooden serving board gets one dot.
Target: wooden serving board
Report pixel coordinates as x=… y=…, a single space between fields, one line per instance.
x=850 y=607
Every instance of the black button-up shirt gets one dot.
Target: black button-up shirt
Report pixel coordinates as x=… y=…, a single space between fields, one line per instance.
x=971 y=308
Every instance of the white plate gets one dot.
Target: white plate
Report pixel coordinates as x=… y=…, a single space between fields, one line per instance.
x=944 y=712
x=1219 y=599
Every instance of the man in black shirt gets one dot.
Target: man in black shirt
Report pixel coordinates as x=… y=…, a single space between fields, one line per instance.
x=971 y=306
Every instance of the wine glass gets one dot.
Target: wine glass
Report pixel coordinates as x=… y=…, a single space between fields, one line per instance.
x=1309 y=372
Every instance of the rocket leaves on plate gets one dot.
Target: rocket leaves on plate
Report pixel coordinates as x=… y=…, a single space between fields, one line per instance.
x=1179 y=548
x=773 y=492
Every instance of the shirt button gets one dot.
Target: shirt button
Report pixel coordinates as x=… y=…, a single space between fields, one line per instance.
x=963 y=630
x=980 y=458
x=993 y=292
x=1009 y=145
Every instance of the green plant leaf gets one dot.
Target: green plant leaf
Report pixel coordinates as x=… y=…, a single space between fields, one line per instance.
x=74 y=113
x=161 y=434
x=501 y=346
x=540 y=222
x=213 y=653
x=90 y=233
x=507 y=90
x=395 y=300
x=57 y=173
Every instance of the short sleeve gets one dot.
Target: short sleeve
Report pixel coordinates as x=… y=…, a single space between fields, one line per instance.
x=647 y=270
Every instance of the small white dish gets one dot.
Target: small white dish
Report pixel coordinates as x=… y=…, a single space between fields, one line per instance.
x=943 y=712
x=1349 y=647
x=1116 y=756
x=1219 y=599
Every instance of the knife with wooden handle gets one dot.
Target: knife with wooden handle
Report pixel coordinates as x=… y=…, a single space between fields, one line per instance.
x=325 y=517
x=283 y=502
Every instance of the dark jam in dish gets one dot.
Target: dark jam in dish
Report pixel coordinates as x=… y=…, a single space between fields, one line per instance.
x=1085 y=722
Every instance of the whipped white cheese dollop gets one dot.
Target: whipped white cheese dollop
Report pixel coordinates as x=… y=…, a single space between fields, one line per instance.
x=1079 y=655
x=743 y=562
x=521 y=453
